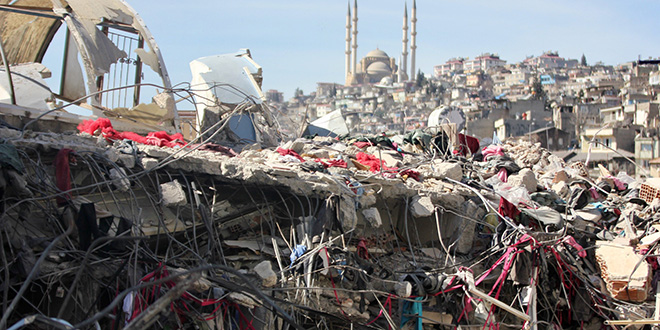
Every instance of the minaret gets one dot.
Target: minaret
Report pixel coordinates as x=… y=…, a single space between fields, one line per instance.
x=348 y=42
x=404 y=52
x=413 y=35
x=355 y=32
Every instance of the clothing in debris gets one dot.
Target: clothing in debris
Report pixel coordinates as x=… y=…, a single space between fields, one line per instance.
x=104 y=126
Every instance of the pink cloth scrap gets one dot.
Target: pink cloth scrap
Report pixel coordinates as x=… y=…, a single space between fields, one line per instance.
x=571 y=241
x=503 y=175
x=363 y=144
x=619 y=185
x=492 y=150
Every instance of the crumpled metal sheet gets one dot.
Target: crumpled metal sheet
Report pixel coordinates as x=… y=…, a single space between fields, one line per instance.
x=231 y=77
x=26 y=37
x=83 y=20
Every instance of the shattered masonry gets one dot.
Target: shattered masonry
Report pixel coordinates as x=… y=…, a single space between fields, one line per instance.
x=143 y=215
x=317 y=231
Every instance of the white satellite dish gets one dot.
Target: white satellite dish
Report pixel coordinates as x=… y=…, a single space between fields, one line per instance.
x=447 y=115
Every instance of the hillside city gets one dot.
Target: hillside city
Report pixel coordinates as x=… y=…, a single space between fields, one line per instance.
x=561 y=103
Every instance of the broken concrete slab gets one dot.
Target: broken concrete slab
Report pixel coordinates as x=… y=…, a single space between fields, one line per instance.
x=421 y=206
x=172 y=194
x=373 y=217
x=452 y=171
x=524 y=178
x=626 y=273
x=265 y=271
x=473 y=213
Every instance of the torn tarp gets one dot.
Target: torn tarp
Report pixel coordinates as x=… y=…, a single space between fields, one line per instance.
x=228 y=78
x=332 y=124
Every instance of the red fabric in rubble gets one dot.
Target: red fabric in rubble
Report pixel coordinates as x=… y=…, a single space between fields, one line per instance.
x=160 y=139
x=91 y=126
x=285 y=152
x=570 y=240
x=362 y=250
x=467 y=143
x=503 y=175
x=410 y=173
x=332 y=163
x=372 y=161
x=63 y=174
x=507 y=209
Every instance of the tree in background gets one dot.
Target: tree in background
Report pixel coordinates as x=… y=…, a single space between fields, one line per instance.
x=537 y=89
x=583 y=60
x=420 y=79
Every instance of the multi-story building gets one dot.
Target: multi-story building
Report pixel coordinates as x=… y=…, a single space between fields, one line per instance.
x=483 y=62
x=608 y=138
x=453 y=65
x=647 y=148
x=615 y=115
x=611 y=147
x=518 y=76
x=550 y=60
x=274 y=96
x=654 y=78
x=475 y=79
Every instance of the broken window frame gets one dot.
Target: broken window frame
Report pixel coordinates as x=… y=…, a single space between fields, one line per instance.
x=63 y=12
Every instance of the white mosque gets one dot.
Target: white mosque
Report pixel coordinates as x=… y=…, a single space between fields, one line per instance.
x=377 y=66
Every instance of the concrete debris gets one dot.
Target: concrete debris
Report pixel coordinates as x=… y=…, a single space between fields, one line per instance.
x=561 y=188
x=452 y=171
x=524 y=178
x=342 y=215
x=278 y=232
x=246 y=300
x=119 y=179
x=209 y=219
x=421 y=206
x=626 y=274
x=172 y=194
x=468 y=225
x=372 y=215
x=265 y=271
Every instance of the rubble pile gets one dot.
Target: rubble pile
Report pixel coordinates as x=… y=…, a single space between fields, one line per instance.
x=411 y=232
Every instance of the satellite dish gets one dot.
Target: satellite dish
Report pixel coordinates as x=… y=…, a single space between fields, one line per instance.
x=446 y=115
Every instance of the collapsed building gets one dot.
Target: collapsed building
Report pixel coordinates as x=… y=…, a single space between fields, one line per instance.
x=126 y=220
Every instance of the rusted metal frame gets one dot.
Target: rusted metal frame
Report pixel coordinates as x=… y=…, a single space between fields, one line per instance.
x=162 y=70
x=39 y=12
x=138 y=73
x=99 y=79
x=33 y=11
x=67 y=38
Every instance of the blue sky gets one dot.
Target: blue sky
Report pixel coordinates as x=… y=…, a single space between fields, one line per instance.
x=299 y=43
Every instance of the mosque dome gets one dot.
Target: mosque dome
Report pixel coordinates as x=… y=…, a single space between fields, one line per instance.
x=378 y=68
x=386 y=81
x=377 y=53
